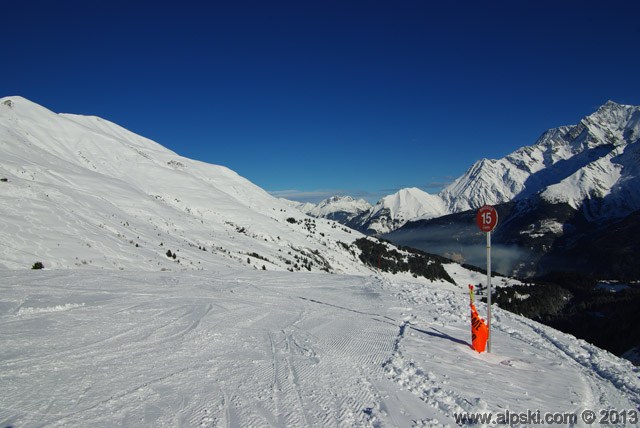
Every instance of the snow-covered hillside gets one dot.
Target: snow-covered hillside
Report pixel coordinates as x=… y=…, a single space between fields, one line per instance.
x=80 y=191
x=592 y=166
x=251 y=348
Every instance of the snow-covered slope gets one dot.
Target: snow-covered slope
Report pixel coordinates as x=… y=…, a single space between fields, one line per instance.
x=339 y=208
x=392 y=211
x=251 y=348
x=81 y=191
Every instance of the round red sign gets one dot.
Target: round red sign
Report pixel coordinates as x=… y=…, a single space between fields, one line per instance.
x=487 y=218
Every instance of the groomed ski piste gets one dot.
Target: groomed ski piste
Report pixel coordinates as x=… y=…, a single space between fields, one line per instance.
x=242 y=347
x=178 y=293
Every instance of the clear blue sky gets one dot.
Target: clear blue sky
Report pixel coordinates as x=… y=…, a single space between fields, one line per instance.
x=321 y=97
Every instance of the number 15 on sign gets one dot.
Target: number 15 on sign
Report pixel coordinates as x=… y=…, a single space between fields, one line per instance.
x=487 y=218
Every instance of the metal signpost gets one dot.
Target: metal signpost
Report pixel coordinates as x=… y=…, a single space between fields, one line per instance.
x=487 y=219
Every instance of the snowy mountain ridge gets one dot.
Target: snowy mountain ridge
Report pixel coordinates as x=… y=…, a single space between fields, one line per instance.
x=592 y=166
x=339 y=208
x=394 y=210
x=571 y=164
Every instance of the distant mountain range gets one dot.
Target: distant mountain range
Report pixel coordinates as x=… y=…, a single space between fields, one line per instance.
x=575 y=187
x=390 y=213
x=82 y=191
x=339 y=208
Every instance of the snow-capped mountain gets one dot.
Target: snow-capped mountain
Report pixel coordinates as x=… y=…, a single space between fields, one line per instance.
x=592 y=166
x=569 y=202
x=596 y=159
x=338 y=208
x=80 y=191
x=393 y=211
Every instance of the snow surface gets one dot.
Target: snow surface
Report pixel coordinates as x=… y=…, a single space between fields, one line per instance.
x=543 y=227
x=239 y=347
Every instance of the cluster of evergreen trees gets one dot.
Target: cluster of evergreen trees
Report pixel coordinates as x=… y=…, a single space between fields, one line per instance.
x=378 y=254
x=573 y=303
x=541 y=302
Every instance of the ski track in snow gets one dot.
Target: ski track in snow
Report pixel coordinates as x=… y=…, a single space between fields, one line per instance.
x=247 y=348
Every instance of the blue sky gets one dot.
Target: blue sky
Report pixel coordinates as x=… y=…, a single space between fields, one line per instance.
x=311 y=98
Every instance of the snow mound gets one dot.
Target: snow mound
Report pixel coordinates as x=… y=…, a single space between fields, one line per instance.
x=45 y=310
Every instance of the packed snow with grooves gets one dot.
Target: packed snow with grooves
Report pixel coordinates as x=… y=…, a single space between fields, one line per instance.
x=240 y=347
